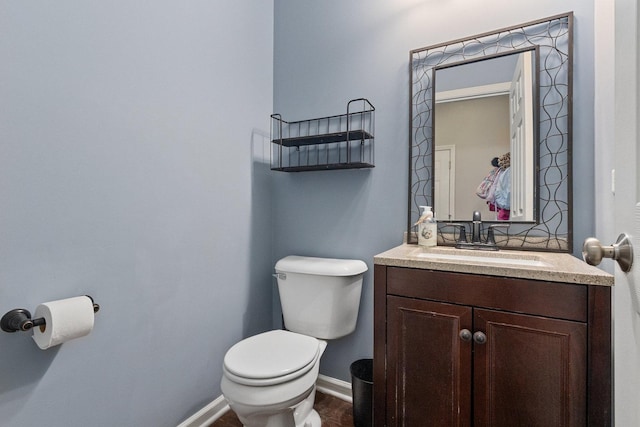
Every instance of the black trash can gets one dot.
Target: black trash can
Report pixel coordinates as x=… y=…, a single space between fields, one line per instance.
x=362 y=392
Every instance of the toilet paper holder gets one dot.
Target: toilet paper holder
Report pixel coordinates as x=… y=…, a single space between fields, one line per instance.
x=19 y=319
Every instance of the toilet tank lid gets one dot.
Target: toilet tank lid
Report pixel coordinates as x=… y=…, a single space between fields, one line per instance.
x=320 y=266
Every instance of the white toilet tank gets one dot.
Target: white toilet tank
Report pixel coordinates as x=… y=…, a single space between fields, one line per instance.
x=320 y=297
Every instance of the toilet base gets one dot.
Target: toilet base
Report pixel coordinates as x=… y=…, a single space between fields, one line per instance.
x=312 y=420
x=296 y=415
x=285 y=419
x=304 y=414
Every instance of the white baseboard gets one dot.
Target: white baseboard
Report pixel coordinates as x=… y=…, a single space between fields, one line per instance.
x=334 y=387
x=214 y=410
x=207 y=415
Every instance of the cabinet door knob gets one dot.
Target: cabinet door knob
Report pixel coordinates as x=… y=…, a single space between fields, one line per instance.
x=479 y=338
x=465 y=335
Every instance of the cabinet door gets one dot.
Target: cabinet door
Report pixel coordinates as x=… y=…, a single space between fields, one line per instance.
x=531 y=371
x=428 y=364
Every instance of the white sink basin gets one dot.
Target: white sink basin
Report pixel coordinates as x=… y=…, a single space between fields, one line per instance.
x=492 y=258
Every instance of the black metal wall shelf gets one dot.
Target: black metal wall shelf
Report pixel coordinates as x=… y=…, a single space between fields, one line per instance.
x=343 y=141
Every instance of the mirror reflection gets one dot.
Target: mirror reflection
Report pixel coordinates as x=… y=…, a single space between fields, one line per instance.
x=485 y=135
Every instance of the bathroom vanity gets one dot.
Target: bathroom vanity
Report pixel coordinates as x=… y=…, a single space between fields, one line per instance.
x=508 y=338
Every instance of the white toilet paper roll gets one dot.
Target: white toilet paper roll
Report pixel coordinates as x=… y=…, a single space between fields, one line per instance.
x=65 y=319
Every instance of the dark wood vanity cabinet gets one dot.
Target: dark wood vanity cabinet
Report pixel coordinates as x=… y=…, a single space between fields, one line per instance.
x=456 y=349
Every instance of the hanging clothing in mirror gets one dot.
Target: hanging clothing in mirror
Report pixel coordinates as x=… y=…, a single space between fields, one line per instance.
x=495 y=188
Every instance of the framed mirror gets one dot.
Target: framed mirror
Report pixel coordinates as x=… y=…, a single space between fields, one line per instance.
x=490 y=131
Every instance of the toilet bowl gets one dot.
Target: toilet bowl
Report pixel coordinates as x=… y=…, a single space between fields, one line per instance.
x=269 y=379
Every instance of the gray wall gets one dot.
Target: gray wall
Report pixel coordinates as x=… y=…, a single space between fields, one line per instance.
x=331 y=51
x=130 y=170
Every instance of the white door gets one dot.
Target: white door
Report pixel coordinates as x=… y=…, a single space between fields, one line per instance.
x=625 y=301
x=444 y=182
x=521 y=132
x=617 y=190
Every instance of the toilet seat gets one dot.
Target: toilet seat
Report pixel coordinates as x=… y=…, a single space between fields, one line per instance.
x=271 y=358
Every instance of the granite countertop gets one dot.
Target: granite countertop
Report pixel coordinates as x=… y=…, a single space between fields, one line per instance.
x=548 y=266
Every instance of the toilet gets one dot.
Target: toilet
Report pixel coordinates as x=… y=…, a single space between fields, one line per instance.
x=269 y=379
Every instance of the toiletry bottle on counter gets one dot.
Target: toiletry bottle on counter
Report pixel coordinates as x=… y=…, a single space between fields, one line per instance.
x=427 y=228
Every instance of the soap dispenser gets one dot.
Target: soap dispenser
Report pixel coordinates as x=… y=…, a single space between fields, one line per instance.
x=427 y=228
